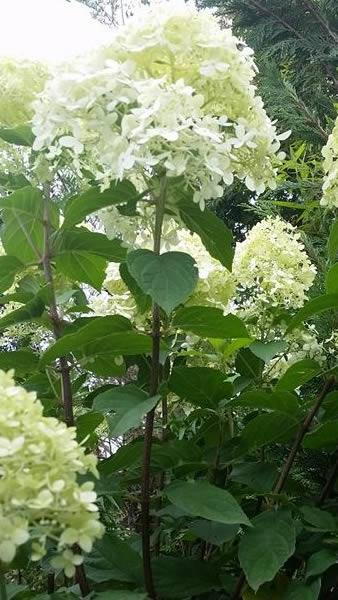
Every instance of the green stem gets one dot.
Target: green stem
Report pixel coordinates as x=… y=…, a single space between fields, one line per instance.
x=3 y=589
x=149 y=427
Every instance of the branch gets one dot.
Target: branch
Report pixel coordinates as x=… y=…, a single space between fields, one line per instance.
x=329 y=484
x=67 y=395
x=149 y=428
x=279 y=485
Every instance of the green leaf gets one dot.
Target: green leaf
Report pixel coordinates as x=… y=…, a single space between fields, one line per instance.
x=9 y=267
x=13 y=181
x=174 y=577
x=143 y=301
x=331 y=280
x=168 y=278
x=269 y=427
x=257 y=476
x=266 y=546
x=214 y=234
x=119 y=555
x=80 y=240
x=318 y=518
x=96 y=329
x=80 y=206
x=86 y=425
x=124 y=458
x=22 y=233
x=333 y=241
x=201 y=499
x=323 y=436
x=268 y=350
x=23 y=361
x=320 y=562
x=80 y=265
x=248 y=364
x=200 y=386
x=313 y=307
x=29 y=312
x=209 y=322
x=214 y=533
x=21 y=135
x=302 y=591
x=281 y=401
x=130 y=405
x=298 y=374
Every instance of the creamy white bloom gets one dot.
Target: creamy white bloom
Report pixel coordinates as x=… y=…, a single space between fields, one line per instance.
x=272 y=265
x=40 y=497
x=173 y=93
x=330 y=165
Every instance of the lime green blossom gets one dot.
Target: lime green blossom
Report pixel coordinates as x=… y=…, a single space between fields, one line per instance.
x=40 y=497
x=20 y=82
x=272 y=264
x=330 y=186
x=173 y=93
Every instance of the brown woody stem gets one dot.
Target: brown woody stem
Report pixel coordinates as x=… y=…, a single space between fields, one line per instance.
x=66 y=385
x=149 y=427
x=280 y=483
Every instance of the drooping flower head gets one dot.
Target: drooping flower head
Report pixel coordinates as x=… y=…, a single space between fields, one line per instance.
x=330 y=186
x=20 y=82
x=40 y=497
x=273 y=265
x=172 y=94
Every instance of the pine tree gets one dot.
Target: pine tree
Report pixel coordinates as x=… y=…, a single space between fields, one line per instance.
x=296 y=48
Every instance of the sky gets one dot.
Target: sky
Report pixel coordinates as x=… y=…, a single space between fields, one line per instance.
x=47 y=30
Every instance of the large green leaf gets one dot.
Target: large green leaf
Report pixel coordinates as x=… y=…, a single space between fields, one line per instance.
x=79 y=239
x=124 y=458
x=167 y=278
x=82 y=255
x=313 y=307
x=80 y=265
x=32 y=310
x=209 y=322
x=248 y=364
x=200 y=386
x=143 y=301
x=21 y=135
x=175 y=577
x=269 y=427
x=86 y=425
x=214 y=234
x=120 y=595
x=323 y=436
x=257 y=476
x=119 y=555
x=321 y=519
x=22 y=233
x=9 y=267
x=96 y=329
x=268 y=350
x=201 y=499
x=331 y=280
x=130 y=405
x=23 y=361
x=298 y=374
x=281 y=401
x=266 y=546
x=333 y=241
x=80 y=206
x=320 y=562
x=212 y=532
x=301 y=591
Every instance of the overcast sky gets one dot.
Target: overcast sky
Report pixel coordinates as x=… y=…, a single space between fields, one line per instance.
x=50 y=30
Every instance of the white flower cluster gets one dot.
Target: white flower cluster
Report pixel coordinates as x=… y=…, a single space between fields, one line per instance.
x=330 y=186
x=173 y=93
x=271 y=264
x=40 y=498
x=20 y=82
